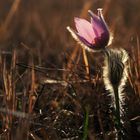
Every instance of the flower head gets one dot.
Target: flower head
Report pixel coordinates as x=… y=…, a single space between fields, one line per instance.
x=93 y=35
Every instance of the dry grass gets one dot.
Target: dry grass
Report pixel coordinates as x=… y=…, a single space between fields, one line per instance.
x=47 y=81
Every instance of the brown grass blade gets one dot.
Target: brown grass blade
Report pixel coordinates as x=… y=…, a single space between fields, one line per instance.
x=11 y=13
x=86 y=63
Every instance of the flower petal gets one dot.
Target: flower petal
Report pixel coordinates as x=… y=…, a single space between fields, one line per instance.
x=100 y=14
x=85 y=29
x=100 y=28
x=80 y=40
x=96 y=24
x=84 y=40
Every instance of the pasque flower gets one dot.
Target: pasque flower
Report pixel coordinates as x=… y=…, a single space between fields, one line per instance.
x=93 y=35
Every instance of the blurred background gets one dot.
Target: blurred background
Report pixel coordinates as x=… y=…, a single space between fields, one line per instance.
x=35 y=45
x=41 y=25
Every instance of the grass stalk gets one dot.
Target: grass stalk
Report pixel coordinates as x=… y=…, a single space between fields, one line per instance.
x=86 y=123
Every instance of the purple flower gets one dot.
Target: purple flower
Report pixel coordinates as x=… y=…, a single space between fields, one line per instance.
x=92 y=35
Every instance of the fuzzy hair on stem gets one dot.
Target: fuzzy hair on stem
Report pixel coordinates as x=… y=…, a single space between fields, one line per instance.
x=115 y=77
x=115 y=73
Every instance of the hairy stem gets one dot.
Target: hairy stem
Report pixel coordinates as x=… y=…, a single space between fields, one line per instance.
x=117 y=112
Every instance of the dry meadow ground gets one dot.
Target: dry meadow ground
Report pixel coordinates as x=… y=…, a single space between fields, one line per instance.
x=49 y=86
